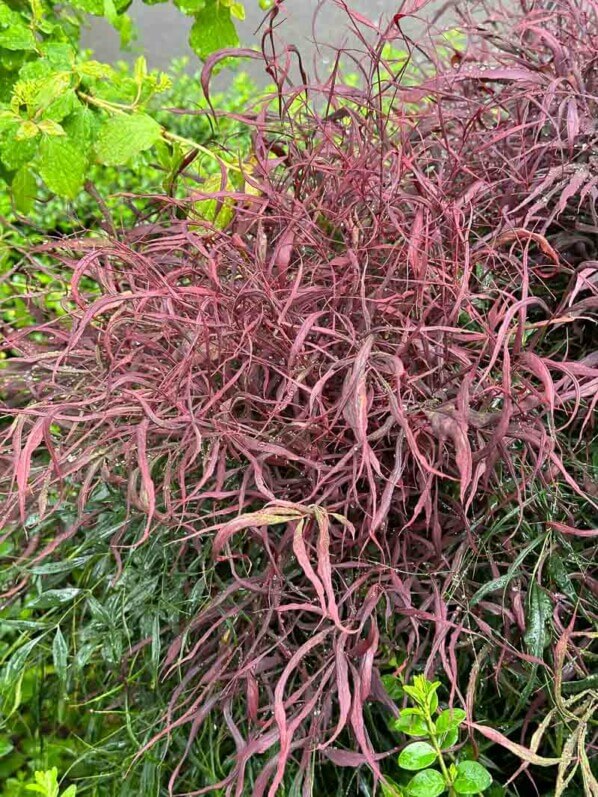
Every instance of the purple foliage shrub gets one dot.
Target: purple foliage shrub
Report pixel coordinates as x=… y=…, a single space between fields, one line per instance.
x=339 y=392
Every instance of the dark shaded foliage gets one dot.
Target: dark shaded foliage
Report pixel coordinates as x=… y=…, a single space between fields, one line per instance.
x=372 y=394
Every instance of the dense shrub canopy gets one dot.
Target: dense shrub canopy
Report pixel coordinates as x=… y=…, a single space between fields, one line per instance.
x=365 y=394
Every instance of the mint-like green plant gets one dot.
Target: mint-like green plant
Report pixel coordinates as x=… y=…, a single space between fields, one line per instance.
x=436 y=769
x=46 y=784
x=62 y=112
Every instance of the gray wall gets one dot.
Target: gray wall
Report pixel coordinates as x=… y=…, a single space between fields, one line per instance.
x=163 y=29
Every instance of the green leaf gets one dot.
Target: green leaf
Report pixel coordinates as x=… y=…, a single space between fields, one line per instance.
x=417 y=755
x=60 y=655
x=449 y=719
x=472 y=778
x=17 y=36
x=390 y=789
x=51 y=128
x=449 y=739
x=123 y=137
x=16 y=664
x=538 y=614
x=54 y=597
x=24 y=190
x=410 y=723
x=70 y=792
x=212 y=30
x=428 y=783
x=62 y=166
x=237 y=10
x=27 y=129
x=393 y=686
x=190 y=6
x=6 y=747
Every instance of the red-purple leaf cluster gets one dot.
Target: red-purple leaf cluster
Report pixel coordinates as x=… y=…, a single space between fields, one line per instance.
x=392 y=341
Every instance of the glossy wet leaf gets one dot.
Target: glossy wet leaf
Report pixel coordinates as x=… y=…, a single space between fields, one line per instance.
x=472 y=778
x=428 y=783
x=417 y=755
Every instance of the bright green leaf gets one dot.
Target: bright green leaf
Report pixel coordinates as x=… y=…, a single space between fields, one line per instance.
x=410 y=724
x=70 y=792
x=237 y=10
x=449 y=719
x=62 y=167
x=212 y=30
x=26 y=129
x=123 y=137
x=428 y=783
x=51 y=128
x=417 y=755
x=190 y=6
x=449 y=739
x=24 y=190
x=472 y=778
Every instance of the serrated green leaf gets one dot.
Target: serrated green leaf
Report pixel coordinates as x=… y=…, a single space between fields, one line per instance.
x=24 y=190
x=123 y=137
x=54 y=597
x=80 y=128
x=417 y=755
x=428 y=783
x=449 y=719
x=472 y=778
x=212 y=30
x=17 y=36
x=62 y=166
x=60 y=655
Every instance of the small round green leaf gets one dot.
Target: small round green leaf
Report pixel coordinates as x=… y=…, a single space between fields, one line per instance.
x=472 y=778
x=449 y=719
x=410 y=724
x=449 y=739
x=417 y=755
x=428 y=783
